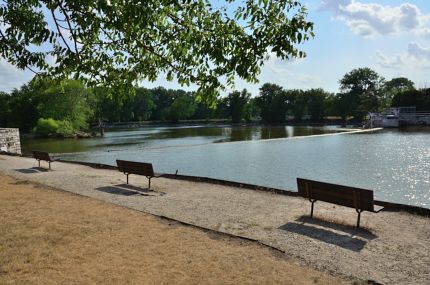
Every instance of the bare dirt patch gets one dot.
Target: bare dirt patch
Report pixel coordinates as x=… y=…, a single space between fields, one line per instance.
x=53 y=237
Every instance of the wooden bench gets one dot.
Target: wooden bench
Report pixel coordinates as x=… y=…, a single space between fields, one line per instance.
x=139 y=168
x=42 y=155
x=359 y=199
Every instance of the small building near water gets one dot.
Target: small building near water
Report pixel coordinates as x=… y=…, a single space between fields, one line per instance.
x=395 y=117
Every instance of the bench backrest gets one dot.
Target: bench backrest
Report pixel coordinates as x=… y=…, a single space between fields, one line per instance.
x=336 y=194
x=134 y=167
x=41 y=155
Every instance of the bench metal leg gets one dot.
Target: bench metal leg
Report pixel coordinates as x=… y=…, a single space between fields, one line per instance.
x=39 y=162
x=49 y=165
x=127 y=177
x=358 y=217
x=149 y=182
x=312 y=206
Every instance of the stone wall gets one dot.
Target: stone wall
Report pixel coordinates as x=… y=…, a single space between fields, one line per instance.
x=9 y=140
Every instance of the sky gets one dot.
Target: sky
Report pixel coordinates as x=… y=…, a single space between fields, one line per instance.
x=391 y=37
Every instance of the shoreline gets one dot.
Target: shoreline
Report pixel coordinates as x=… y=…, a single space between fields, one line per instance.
x=392 y=206
x=329 y=243
x=411 y=209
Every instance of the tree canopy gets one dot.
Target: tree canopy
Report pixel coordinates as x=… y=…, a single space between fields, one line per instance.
x=115 y=42
x=237 y=102
x=273 y=103
x=364 y=89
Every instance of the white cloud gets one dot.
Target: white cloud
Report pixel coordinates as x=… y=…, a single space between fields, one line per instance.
x=416 y=57
x=371 y=19
x=12 y=77
x=309 y=79
x=389 y=62
x=418 y=52
x=426 y=33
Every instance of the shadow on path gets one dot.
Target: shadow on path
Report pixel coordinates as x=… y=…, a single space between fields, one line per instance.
x=344 y=236
x=351 y=230
x=32 y=170
x=125 y=190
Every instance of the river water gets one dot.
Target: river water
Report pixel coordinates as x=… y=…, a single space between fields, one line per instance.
x=393 y=163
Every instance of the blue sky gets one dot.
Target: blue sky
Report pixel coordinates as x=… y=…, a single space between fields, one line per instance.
x=391 y=37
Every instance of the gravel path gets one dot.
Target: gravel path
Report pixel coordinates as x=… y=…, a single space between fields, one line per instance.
x=393 y=248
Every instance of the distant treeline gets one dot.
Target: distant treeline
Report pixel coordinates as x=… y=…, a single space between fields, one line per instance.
x=50 y=107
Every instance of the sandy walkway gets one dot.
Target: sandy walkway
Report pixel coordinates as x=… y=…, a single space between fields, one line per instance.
x=393 y=250
x=53 y=237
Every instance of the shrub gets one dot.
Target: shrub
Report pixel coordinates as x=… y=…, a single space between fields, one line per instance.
x=46 y=127
x=65 y=128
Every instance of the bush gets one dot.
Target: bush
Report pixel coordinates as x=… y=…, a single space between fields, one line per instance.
x=65 y=128
x=50 y=127
x=46 y=127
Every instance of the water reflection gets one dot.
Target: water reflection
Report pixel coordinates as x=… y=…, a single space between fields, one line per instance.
x=162 y=137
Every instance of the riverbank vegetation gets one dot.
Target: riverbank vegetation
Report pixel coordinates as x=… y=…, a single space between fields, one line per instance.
x=63 y=108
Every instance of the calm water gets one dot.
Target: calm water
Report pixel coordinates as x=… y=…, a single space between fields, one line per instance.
x=394 y=163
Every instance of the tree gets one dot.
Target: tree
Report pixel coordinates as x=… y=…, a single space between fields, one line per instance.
x=343 y=105
x=399 y=84
x=162 y=99
x=273 y=103
x=143 y=104
x=115 y=43
x=237 y=102
x=394 y=87
x=364 y=88
x=4 y=109
x=298 y=103
x=65 y=101
x=413 y=98
x=204 y=110
x=23 y=112
x=316 y=103
x=182 y=107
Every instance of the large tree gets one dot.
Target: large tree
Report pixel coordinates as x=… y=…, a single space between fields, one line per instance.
x=237 y=102
x=395 y=86
x=116 y=43
x=4 y=109
x=316 y=103
x=413 y=98
x=273 y=102
x=364 y=87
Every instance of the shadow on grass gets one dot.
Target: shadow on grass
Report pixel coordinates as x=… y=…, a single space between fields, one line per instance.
x=344 y=236
x=32 y=170
x=125 y=190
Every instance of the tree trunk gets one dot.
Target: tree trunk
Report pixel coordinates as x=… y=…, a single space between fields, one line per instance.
x=101 y=127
